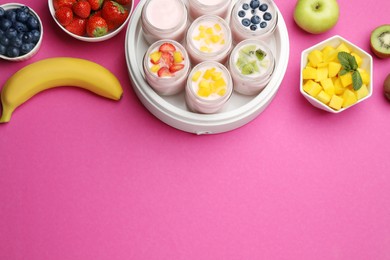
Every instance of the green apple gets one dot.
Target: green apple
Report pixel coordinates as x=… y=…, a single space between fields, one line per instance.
x=316 y=16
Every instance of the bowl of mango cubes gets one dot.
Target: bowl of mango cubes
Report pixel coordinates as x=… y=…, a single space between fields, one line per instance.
x=336 y=75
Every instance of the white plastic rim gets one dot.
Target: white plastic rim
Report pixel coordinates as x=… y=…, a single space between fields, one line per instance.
x=181 y=118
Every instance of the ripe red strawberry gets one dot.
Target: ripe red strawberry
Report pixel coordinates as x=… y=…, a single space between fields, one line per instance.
x=164 y=72
x=60 y=3
x=96 y=26
x=77 y=26
x=82 y=8
x=95 y=4
x=123 y=2
x=167 y=59
x=167 y=47
x=64 y=15
x=176 y=67
x=115 y=14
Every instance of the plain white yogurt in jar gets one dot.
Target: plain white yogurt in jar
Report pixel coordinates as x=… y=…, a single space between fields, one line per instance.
x=209 y=39
x=166 y=66
x=209 y=86
x=253 y=19
x=251 y=65
x=164 y=19
x=198 y=8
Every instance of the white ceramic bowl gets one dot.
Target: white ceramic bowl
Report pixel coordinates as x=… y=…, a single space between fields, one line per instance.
x=38 y=44
x=335 y=41
x=109 y=35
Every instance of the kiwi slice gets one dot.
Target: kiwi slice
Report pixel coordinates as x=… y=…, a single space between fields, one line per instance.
x=247 y=69
x=380 y=41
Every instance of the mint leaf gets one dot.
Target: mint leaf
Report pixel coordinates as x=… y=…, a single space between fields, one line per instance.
x=343 y=72
x=357 y=81
x=345 y=60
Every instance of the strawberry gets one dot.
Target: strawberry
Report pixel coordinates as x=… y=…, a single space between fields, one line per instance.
x=164 y=72
x=95 y=4
x=115 y=14
x=176 y=67
x=64 y=15
x=77 y=26
x=167 y=47
x=60 y=3
x=96 y=26
x=167 y=59
x=82 y=8
x=123 y=2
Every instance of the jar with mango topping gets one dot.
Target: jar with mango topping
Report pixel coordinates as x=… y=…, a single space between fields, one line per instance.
x=209 y=87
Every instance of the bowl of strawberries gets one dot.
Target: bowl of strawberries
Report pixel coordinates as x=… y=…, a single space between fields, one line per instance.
x=91 y=20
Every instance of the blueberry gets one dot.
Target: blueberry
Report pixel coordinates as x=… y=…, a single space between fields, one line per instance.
x=27 y=37
x=21 y=16
x=5 y=24
x=255 y=19
x=253 y=27
x=263 y=7
x=246 y=22
x=254 y=4
x=36 y=35
x=26 y=48
x=24 y=9
x=241 y=13
x=267 y=16
x=12 y=52
x=253 y=11
x=4 y=41
x=245 y=6
x=20 y=27
x=2 y=12
x=32 y=22
x=11 y=33
x=10 y=15
x=2 y=33
x=3 y=49
x=263 y=24
x=16 y=42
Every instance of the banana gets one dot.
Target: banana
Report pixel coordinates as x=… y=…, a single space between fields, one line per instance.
x=54 y=72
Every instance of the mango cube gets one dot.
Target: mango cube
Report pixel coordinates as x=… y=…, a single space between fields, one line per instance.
x=312 y=88
x=333 y=69
x=361 y=92
x=346 y=79
x=338 y=87
x=196 y=75
x=329 y=54
x=336 y=102
x=323 y=97
x=365 y=76
x=309 y=73
x=315 y=57
x=322 y=73
x=358 y=59
x=327 y=85
x=343 y=47
x=349 y=98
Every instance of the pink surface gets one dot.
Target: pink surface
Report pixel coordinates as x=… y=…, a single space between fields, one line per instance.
x=82 y=177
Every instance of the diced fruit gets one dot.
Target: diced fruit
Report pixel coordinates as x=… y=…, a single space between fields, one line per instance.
x=312 y=88
x=336 y=102
x=338 y=87
x=327 y=85
x=315 y=57
x=164 y=72
x=167 y=58
x=155 y=57
x=323 y=97
x=346 y=79
x=196 y=76
x=309 y=73
x=177 y=57
x=322 y=73
x=357 y=58
x=349 y=98
x=343 y=47
x=362 y=92
x=365 y=76
x=334 y=68
x=155 y=68
x=176 y=67
x=329 y=54
x=209 y=82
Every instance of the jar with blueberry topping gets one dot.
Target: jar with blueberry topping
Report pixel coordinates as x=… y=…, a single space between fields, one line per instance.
x=253 y=19
x=251 y=66
x=164 y=19
x=209 y=39
x=198 y=8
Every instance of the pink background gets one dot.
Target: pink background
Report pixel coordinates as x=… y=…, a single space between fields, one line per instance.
x=82 y=177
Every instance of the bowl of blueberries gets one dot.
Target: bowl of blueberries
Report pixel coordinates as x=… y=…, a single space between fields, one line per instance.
x=21 y=32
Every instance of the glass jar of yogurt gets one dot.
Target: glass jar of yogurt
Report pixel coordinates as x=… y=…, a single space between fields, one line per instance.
x=198 y=8
x=251 y=65
x=209 y=39
x=253 y=19
x=209 y=87
x=166 y=66
x=164 y=19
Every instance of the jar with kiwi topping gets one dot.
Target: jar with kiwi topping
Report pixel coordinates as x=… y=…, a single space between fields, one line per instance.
x=251 y=65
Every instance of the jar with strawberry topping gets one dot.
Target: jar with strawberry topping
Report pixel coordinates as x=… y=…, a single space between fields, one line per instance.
x=251 y=66
x=164 y=19
x=209 y=39
x=166 y=66
x=198 y=8
x=209 y=87
x=253 y=19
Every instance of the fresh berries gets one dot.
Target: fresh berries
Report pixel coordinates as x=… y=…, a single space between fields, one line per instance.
x=112 y=15
x=96 y=26
x=64 y=15
x=19 y=31
x=254 y=15
x=166 y=60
